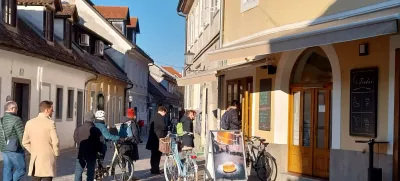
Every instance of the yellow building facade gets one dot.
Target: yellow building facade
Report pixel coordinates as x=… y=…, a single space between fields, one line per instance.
x=296 y=67
x=107 y=94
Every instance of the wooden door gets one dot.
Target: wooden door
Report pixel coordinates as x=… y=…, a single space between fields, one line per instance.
x=309 y=129
x=321 y=121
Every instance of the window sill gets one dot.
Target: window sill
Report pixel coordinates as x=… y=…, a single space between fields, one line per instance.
x=58 y=120
x=70 y=119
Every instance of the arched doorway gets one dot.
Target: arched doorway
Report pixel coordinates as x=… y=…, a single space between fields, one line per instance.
x=310 y=114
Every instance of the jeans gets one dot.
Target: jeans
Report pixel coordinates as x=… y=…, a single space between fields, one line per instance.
x=42 y=178
x=13 y=160
x=81 y=165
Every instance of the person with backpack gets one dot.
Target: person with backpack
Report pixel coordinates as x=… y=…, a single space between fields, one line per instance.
x=87 y=138
x=130 y=131
x=11 y=133
x=185 y=130
x=230 y=119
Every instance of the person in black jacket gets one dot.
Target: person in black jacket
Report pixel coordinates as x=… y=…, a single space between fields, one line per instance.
x=233 y=118
x=157 y=130
x=87 y=137
x=187 y=123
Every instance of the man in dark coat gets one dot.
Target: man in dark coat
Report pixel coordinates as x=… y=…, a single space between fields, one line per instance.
x=233 y=116
x=187 y=123
x=157 y=130
x=87 y=137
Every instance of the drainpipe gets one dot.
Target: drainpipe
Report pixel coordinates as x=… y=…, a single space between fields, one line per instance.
x=186 y=27
x=221 y=17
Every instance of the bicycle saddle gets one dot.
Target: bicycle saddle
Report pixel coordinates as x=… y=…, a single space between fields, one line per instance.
x=262 y=140
x=256 y=137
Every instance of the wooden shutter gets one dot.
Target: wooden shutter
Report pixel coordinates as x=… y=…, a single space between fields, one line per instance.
x=51 y=25
x=13 y=13
x=67 y=34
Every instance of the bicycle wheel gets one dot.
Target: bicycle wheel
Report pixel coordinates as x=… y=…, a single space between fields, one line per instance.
x=125 y=166
x=266 y=167
x=171 y=171
x=191 y=167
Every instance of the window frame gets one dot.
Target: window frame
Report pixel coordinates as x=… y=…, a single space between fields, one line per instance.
x=8 y=17
x=67 y=34
x=48 y=24
x=70 y=105
x=59 y=101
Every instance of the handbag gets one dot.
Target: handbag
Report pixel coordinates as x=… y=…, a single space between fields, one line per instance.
x=12 y=144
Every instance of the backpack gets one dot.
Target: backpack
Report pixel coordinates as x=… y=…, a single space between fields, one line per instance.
x=225 y=121
x=179 y=129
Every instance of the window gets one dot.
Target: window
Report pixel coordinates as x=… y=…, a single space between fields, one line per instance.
x=67 y=34
x=70 y=108
x=48 y=24
x=247 y=5
x=9 y=11
x=59 y=103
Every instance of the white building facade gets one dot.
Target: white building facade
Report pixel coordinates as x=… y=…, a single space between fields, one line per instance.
x=124 y=52
x=203 y=26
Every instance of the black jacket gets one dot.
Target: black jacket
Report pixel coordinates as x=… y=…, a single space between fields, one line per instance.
x=234 y=121
x=157 y=131
x=187 y=140
x=88 y=138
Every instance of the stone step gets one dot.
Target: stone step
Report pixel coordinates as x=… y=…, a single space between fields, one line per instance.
x=298 y=177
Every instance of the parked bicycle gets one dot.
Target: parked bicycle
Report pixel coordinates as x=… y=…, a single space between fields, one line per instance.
x=119 y=162
x=177 y=169
x=260 y=160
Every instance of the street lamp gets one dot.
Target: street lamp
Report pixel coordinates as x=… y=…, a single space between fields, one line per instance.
x=189 y=58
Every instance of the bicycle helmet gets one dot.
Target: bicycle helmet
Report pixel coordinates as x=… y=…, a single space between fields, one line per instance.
x=100 y=115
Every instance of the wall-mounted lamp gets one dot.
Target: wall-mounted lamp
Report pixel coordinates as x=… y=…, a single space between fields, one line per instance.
x=363 y=49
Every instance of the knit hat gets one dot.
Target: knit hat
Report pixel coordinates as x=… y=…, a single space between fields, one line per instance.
x=130 y=113
x=89 y=116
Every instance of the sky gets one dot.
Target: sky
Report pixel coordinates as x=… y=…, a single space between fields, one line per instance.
x=162 y=31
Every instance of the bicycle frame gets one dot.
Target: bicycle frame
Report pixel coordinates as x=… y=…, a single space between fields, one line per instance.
x=176 y=157
x=253 y=157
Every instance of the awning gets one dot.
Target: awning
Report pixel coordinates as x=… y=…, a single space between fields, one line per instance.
x=354 y=28
x=211 y=75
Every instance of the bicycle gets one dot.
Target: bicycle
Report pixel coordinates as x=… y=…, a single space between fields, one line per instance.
x=176 y=169
x=120 y=160
x=263 y=163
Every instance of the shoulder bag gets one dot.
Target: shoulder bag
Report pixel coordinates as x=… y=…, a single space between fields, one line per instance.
x=12 y=144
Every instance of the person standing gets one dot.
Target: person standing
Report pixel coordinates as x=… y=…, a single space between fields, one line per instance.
x=12 y=128
x=87 y=137
x=233 y=116
x=41 y=140
x=188 y=137
x=157 y=131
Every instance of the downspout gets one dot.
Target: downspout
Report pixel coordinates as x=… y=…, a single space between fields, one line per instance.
x=221 y=17
x=186 y=27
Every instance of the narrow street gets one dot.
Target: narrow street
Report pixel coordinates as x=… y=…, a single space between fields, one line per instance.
x=66 y=166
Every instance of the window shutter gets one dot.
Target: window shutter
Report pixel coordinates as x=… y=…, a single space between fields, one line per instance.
x=51 y=25
x=13 y=13
x=67 y=34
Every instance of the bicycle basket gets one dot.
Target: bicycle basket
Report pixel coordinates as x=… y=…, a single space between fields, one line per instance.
x=165 y=145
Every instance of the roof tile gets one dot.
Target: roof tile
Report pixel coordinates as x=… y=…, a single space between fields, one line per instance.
x=24 y=39
x=113 y=12
x=133 y=23
x=68 y=10
x=36 y=2
x=172 y=71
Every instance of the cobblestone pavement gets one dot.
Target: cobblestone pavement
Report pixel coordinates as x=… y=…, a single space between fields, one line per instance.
x=66 y=166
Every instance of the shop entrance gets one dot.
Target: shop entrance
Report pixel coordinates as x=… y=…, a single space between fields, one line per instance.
x=310 y=114
x=241 y=90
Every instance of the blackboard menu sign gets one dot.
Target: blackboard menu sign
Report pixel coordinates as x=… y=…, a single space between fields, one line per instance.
x=265 y=105
x=363 y=102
